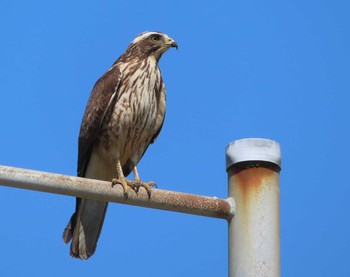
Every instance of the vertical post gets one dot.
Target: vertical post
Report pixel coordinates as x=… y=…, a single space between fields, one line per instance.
x=253 y=167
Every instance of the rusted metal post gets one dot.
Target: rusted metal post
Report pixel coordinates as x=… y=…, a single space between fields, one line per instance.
x=103 y=191
x=253 y=167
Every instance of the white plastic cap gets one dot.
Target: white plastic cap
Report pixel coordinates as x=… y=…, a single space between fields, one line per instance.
x=253 y=149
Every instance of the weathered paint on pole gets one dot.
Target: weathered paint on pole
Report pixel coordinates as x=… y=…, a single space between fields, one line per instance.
x=253 y=167
x=103 y=191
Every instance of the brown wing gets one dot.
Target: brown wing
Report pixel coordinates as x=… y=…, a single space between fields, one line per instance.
x=102 y=98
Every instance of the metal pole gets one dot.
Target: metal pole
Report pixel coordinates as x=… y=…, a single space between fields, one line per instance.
x=103 y=191
x=253 y=167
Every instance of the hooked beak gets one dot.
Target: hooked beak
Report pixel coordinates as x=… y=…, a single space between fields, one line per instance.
x=172 y=43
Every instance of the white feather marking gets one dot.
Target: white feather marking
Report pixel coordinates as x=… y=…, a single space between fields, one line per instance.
x=82 y=246
x=144 y=35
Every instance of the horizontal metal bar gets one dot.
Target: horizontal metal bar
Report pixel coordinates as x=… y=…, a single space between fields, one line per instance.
x=103 y=191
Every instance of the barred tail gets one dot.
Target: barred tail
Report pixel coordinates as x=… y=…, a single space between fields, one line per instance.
x=84 y=228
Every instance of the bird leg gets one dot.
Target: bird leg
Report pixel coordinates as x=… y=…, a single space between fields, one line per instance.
x=134 y=185
x=138 y=183
x=122 y=181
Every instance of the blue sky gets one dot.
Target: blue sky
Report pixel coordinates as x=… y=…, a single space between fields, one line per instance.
x=272 y=69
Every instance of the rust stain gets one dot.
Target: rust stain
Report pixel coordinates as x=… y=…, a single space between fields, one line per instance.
x=250 y=186
x=219 y=208
x=250 y=179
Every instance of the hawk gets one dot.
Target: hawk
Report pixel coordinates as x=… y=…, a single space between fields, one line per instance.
x=124 y=115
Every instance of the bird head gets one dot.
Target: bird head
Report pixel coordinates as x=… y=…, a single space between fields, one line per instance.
x=152 y=44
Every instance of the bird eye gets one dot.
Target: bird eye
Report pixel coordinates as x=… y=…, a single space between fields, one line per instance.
x=155 y=38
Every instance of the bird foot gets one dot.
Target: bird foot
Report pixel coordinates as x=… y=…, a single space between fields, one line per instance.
x=134 y=185
x=147 y=186
x=126 y=184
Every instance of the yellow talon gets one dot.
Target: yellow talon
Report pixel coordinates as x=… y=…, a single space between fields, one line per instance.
x=125 y=184
x=134 y=185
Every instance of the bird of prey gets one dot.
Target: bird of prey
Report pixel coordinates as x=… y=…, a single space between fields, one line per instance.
x=124 y=115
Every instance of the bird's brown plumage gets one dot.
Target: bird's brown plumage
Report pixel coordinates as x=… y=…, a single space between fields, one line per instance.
x=124 y=114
